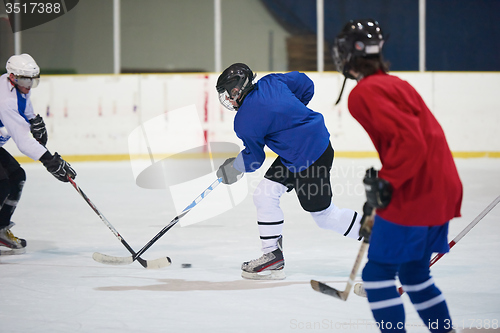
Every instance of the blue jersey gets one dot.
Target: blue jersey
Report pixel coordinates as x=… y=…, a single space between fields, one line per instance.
x=275 y=114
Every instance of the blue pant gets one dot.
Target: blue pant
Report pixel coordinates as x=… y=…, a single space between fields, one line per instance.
x=380 y=281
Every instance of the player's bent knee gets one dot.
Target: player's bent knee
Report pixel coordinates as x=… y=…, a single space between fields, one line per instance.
x=315 y=205
x=18 y=176
x=4 y=190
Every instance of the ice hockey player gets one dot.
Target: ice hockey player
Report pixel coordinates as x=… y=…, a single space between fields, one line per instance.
x=417 y=191
x=17 y=120
x=273 y=112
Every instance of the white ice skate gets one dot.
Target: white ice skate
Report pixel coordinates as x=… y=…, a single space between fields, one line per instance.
x=268 y=267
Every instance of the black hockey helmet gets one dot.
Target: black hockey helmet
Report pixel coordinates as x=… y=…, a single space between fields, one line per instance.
x=358 y=38
x=234 y=84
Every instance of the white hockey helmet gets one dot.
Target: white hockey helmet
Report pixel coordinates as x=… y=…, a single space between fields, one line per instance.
x=25 y=70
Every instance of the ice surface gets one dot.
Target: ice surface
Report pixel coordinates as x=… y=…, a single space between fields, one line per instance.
x=57 y=287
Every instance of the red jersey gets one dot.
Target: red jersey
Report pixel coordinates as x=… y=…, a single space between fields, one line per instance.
x=413 y=150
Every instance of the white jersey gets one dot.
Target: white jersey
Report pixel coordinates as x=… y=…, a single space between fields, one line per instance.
x=15 y=111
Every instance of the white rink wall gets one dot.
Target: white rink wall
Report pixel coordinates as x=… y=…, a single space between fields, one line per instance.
x=92 y=117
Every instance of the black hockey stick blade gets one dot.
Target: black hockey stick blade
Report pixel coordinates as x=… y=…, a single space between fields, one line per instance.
x=327 y=290
x=149 y=264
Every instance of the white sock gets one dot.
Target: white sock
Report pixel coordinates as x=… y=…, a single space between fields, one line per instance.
x=270 y=217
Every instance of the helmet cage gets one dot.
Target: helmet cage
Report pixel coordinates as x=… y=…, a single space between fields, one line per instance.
x=341 y=57
x=230 y=95
x=233 y=85
x=226 y=101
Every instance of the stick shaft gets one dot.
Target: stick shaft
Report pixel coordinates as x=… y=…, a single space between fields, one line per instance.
x=101 y=216
x=178 y=217
x=467 y=229
x=367 y=222
x=94 y=208
x=355 y=268
x=476 y=220
x=464 y=232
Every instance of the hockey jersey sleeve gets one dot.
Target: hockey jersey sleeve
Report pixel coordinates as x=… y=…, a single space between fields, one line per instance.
x=19 y=129
x=252 y=157
x=395 y=133
x=300 y=85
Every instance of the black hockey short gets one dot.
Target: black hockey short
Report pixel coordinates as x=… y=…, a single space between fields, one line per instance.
x=312 y=185
x=8 y=164
x=12 y=178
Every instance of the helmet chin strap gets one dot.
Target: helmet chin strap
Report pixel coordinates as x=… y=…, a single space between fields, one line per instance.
x=245 y=90
x=11 y=81
x=343 y=86
x=14 y=84
x=347 y=75
x=341 y=91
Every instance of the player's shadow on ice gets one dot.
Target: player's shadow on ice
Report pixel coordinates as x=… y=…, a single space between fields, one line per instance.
x=184 y=285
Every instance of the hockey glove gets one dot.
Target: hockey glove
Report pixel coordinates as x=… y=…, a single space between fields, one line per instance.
x=228 y=173
x=58 y=167
x=38 y=130
x=378 y=191
x=365 y=230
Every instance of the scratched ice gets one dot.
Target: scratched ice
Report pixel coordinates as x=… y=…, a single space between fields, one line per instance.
x=57 y=287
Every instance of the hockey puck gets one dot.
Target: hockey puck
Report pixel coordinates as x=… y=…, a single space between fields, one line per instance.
x=186 y=265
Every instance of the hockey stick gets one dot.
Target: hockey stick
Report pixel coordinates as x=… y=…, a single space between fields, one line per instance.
x=361 y=292
x=368 y=217
x=106 y=259
x=462 y=234
x=157 y=263
x=467 y=229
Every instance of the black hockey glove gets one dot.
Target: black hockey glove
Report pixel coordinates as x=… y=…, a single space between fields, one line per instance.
x=228 y=173
x=38 y=130
x=365 y=230
x=58 y=167
x=378 y=191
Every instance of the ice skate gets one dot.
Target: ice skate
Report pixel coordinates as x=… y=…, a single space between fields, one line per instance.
x=268 y=267
x=7 y=238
